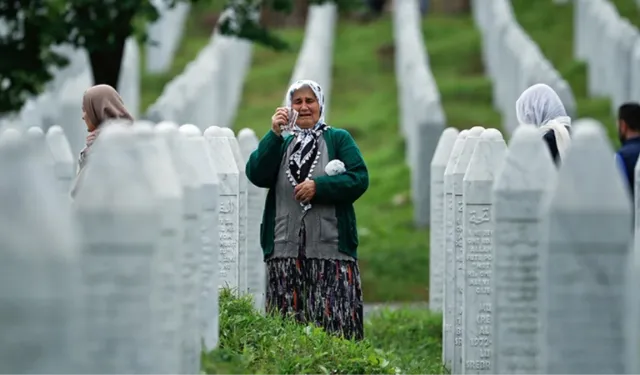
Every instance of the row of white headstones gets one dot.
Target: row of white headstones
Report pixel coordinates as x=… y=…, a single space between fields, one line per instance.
x=610 y=46
x=531 y=265
x=124 y=277
x=513 y=60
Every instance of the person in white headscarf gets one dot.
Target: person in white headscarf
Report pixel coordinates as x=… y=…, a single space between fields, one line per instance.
x=540 y=106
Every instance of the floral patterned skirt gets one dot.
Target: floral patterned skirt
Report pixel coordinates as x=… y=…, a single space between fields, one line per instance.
x=323 y=291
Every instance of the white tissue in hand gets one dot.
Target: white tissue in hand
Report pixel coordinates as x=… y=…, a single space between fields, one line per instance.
x=334 y=167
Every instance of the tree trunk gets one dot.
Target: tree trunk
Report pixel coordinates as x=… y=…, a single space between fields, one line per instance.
x=106 y=63
x=457 y=6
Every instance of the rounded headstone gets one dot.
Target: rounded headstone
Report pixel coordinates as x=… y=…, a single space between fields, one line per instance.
x=143 y=126
x=213 y=131
x=190 y=130
x=226 y=132
x=491 y=134
x=166 y=127
x=246 y=133
x=35 y=131
x=10 y=136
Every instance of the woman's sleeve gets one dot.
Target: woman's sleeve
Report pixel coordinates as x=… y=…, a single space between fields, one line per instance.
x=263 y=164
x=346 y=187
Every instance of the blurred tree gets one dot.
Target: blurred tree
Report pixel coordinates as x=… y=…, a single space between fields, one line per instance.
x=30 y=28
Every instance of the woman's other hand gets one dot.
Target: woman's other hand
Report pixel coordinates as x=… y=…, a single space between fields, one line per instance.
x=305 y=191
x=281 y=117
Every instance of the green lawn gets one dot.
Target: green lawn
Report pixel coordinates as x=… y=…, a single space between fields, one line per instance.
x=396 y=342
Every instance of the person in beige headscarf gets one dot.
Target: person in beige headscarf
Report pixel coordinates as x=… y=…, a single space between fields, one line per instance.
x=100 y=103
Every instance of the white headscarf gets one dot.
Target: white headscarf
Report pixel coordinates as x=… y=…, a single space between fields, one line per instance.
x=539 y=105
x=305 y=154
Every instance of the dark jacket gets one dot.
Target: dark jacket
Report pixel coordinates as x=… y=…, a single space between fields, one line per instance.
x=550 y=139
x=627 y=156
x=340 y=190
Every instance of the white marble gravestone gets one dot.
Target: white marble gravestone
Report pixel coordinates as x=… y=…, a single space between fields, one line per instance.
x=200 y=157
x=478 y=232
x=583 y=270
x=449 y=243
x=229 y=189
x=64 y=162
x=158 y=168
x=119 y=224
x=632 y=308
x=436 y=236
x=42 y=318
x=192 y=245
x=35 y=138
x=256 y=269
x=459 y=170
x=242 y=199
x=129 y=79
x=521 y=188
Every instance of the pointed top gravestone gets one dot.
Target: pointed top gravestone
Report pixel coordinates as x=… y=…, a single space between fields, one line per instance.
x=478 y=251
x=445 y=145
x=199 y=155
x=449 y=242
x=589 y=232
x=39 y=269
x=190 y=179
x=63 y=158
x=526 y=163
x=256 y=277
x=632 y=310
x=36 y=139
x=436 y=239
x=120 y=224
x=521 y=190
x=459 y=170
x=455 y=152
x=229 y=191
x=242 y=199
x=165 y=186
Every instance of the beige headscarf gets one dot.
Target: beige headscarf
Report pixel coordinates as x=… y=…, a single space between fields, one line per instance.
x=100 y=103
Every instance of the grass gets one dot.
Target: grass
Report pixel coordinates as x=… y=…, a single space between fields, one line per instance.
x=455 y=52
x=251 y=343
x=551 y=27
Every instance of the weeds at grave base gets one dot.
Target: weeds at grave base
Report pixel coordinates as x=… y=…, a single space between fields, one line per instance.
x=399 y=342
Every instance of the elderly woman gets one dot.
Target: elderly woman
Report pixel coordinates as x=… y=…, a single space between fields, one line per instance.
x=539 y=105
x=100 y=103
x=308 y=232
